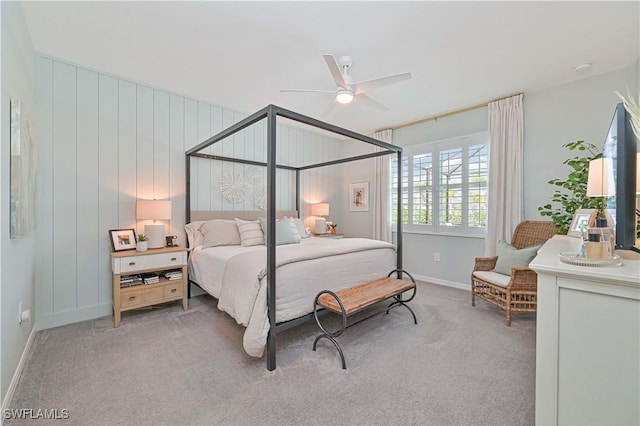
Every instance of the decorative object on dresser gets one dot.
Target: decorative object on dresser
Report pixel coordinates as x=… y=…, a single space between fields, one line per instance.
x=143 y=243
x=154 y=210
x=333 y=227
x=359 y=197
x=506 y=280
x=122 y=239
x=321 y=209
x=571 y=194
x=582 y=218
x=163 y=273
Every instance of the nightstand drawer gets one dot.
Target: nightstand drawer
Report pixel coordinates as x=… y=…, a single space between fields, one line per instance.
x=153 y=294
x=150 y=261
x=130 y=298
x=174 y=290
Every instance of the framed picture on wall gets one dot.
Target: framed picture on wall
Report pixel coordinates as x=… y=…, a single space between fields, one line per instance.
x=359 y=197
x=122 y=239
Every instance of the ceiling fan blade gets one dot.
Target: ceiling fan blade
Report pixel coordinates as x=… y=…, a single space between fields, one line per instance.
x=363 y=86
x=308 y=90
x=362 y=98
x=334 y=68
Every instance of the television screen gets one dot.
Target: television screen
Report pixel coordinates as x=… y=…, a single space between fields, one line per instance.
x=621 y=148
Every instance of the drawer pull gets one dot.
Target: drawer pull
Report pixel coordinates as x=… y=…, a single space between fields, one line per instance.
x=132 y=298
x=173 y=259
x=173 y=290
x=132 y=263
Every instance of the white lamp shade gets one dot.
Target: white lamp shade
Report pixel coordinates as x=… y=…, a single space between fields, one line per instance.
x=153 y=209
x=601 y=182
x=321 y=209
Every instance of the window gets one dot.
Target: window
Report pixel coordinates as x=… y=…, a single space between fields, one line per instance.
x=444 y=185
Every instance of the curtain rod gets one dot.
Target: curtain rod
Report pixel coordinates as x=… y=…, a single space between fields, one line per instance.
x=454 y=112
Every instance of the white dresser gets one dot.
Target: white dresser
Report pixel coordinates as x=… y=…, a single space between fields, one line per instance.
x=588 y=340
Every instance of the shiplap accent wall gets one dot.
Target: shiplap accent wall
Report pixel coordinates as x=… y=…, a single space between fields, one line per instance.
x=105 y=142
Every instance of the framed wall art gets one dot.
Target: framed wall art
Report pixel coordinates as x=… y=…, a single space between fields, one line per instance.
x=359 y=197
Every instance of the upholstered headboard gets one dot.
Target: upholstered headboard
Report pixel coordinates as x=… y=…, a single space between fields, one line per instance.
x=228 y=214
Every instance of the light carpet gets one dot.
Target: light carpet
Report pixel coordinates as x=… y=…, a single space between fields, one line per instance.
x=460 y=365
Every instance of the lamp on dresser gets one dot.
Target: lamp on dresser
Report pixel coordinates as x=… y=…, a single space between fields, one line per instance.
x=321 y=210
x=154 y=210
x=601 y=184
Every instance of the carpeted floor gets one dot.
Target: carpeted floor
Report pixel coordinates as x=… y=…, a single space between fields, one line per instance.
x=459 y=365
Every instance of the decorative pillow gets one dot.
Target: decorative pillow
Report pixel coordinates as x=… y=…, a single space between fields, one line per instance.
x=300 y=227
x=284 y=234
x=220 y=232
x=510 y=257
x=294 y=228
x=250 y=233
x=194 y=236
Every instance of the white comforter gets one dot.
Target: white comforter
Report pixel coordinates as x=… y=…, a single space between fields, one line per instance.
x=237 y=277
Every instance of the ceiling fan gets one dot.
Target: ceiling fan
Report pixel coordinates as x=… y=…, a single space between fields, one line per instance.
x=347 y=90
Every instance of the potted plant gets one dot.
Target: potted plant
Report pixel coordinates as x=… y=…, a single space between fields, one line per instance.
x=142 y=244
x=333 y=227
x=571 y=194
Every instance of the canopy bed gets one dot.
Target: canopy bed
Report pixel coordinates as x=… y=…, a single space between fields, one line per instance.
x=299 y=269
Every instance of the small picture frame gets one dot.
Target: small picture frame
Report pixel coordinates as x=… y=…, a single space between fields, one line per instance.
x=122 y=239
x=359 y=197
x=582 y=217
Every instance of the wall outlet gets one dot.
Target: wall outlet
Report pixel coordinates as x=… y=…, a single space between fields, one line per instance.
x=436 y=257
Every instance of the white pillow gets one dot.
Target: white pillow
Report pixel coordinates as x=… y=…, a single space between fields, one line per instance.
x=194 y=236
x=294 y=228
x=220 y=232
x=284 y=231
x=300 y=227
x=250 y=233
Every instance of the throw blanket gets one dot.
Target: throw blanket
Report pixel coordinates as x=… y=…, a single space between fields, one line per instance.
x=243 y=294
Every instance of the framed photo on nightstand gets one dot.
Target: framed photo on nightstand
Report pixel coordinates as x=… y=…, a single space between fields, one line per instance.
x=122 y=239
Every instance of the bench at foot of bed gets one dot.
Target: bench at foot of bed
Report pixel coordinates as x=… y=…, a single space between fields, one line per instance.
x=352 y=300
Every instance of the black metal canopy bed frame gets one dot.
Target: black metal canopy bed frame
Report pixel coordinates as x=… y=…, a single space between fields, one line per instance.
x=270 y=113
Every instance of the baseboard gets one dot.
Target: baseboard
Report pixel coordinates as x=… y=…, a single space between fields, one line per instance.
x=446 y=283
x=16 y=375
x=69 y=317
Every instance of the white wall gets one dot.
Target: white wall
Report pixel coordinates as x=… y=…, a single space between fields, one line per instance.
x=580 y=110
x=17 y=256
x=554 y=116
x=106 y=142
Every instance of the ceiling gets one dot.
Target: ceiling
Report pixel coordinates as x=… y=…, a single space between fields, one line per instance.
x=240 y=54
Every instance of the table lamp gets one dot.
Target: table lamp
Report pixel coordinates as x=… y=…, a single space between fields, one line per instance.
x=321 y=210
x=154 y=210
x=600 y=182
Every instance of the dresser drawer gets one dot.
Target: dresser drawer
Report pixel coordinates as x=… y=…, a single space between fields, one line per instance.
x=151 y=261
x=153 y=294
x=130 y=298
x=174 y=290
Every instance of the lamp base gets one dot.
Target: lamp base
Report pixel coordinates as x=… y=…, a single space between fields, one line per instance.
x=321 y=226
x=155 y=234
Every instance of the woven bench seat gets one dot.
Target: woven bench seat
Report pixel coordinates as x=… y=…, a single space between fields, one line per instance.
x=362 y=296
x=351 y=300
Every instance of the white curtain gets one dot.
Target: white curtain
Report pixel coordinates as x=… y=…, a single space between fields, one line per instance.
x=380 y=204
x=506 y=147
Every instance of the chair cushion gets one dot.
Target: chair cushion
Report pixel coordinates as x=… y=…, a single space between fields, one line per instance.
x=510 y=257
x=493 y=278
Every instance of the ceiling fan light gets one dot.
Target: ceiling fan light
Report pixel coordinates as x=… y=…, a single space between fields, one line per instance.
x=344 y=96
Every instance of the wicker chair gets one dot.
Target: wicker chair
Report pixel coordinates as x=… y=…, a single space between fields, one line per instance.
x=518 y=292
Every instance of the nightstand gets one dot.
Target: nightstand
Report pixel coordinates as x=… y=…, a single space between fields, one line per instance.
x=158 y=261
x=328 y=235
